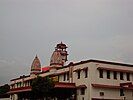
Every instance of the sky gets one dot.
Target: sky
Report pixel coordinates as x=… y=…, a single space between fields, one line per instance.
x=92 y=29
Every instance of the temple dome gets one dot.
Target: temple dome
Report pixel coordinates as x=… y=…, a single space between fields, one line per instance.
x=59 y=56
x=36 y=66
x=56 y=58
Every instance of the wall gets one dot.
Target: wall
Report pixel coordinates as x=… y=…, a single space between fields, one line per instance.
x=108 y=93
x=82 y=81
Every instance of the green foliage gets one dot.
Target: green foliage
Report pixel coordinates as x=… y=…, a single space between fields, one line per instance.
x=42 y=87
x=4 y=89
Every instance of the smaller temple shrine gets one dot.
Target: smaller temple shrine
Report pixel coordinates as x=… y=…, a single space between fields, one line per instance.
x=36 y=66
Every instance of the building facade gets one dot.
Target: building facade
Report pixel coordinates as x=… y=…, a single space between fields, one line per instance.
x=90 y=79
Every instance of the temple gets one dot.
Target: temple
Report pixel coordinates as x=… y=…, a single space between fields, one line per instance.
x=59 y=57
x=35 y=67
x=85 y=80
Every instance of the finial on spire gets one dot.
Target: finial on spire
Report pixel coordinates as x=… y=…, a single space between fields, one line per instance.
x=36 y=56
x=61 y=46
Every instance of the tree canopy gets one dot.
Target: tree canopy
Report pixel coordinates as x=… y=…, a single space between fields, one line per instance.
x=42 y=87
x=3 y=90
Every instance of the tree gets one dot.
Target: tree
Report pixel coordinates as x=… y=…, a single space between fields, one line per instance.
x=3 y=90
x=42 y=87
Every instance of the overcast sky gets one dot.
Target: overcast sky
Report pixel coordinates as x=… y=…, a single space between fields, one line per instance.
x=92 y=29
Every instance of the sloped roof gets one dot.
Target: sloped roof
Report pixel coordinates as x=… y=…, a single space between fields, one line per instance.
x=44 y=69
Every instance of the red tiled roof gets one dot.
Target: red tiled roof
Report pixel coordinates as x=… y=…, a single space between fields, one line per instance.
x=44 y=69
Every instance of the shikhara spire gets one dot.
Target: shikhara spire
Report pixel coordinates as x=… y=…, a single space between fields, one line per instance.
x=59 y=56
x=36 y=66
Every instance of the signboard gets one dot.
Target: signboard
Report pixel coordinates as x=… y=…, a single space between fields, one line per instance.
x=55 y=78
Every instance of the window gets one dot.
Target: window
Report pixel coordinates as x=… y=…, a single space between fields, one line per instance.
x=17 y=85
x=121 y=92
x=108 y=74
x=67 y=75
x=64 y=77
x=58 y=77
x=78 y=72
x=115 y=75
x=101 y=93
x=25 y=83
x=82 y=91
x=86 y=73
x=31 y=82
x=101 y=73
x=121 y=75
x=128 y=76
x=28 y=83
x=20 y=84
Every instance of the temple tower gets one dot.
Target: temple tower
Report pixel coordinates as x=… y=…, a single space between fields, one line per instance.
x=36 y=66
x=59 y=56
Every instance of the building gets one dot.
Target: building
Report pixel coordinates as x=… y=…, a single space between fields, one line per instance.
x=88 y=80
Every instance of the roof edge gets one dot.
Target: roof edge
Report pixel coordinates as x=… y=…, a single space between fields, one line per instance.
x=111 y=62
x=97 y=61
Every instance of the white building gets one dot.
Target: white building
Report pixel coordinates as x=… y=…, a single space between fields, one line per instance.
x=90 y=79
